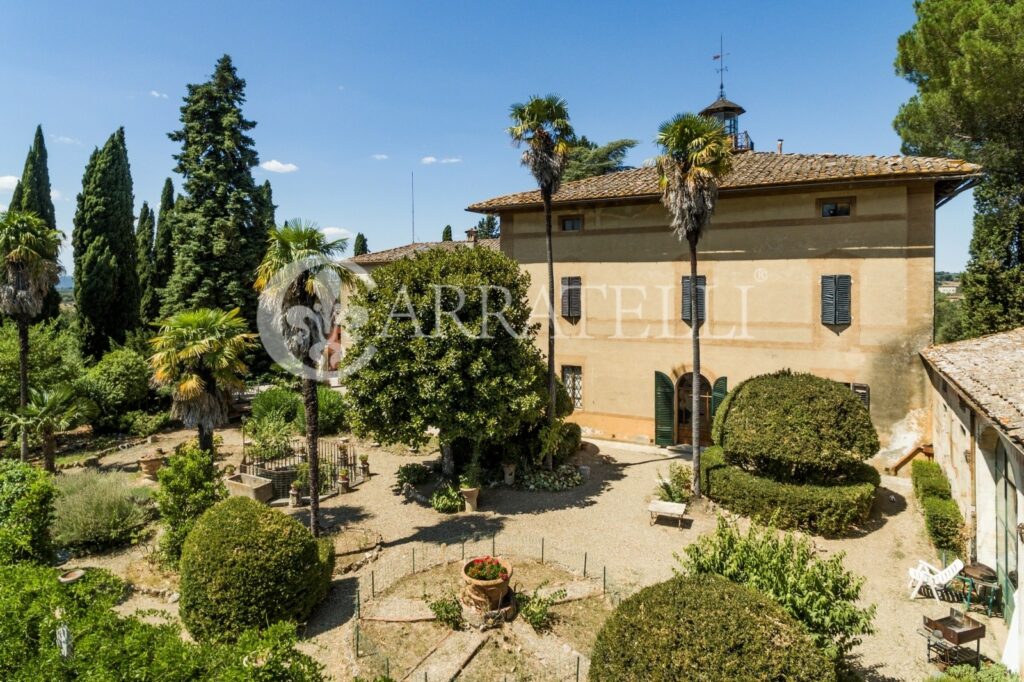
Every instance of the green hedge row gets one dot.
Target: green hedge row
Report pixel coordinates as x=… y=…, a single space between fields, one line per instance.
x=942 y=516
x=819 y=509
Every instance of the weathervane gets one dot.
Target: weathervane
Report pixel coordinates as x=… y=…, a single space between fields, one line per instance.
x=722 y=68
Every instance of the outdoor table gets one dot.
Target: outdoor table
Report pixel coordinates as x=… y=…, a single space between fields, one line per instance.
x=981 y=582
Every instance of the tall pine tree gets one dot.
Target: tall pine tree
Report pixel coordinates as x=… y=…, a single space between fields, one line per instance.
x=163 y=242
x=149 y=299
x=446 y=233
x=219 y=219
x=106 y=279
x=32 y=194
x=360 y=247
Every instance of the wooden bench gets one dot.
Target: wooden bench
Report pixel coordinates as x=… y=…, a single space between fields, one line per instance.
x=673 y=510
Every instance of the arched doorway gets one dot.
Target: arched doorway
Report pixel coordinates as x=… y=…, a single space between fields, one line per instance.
x=684 y=391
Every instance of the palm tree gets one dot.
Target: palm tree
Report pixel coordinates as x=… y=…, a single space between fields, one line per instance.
x=200 y=354
x=295 y=276
x=47 y=414
x=28 y=251
x=542 y=124
x=697 y=153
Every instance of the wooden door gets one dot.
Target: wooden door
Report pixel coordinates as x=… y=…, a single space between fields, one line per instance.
x=685 y=434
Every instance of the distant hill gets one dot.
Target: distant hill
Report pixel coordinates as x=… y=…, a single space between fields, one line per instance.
x=66 y=283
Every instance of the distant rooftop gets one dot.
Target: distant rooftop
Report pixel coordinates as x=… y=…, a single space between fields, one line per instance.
x=990 y=371
x=388 y=255
x=756 y=170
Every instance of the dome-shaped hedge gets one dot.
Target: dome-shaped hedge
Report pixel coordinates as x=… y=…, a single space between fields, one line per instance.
x=796 y=427
x=704 y=628
x=247 y=566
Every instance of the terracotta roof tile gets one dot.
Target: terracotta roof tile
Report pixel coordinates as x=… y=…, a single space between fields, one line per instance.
x=388 y=255
x=990 y=371
x=750 y=170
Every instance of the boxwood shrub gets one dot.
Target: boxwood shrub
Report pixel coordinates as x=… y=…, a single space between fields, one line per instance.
x=118 y=384
x=816 y=508
x=929 y=480
x=794 y=426
x=246 y=566
x=277 y=400
x=945 y=524
x=704 y=628
x=26 y=511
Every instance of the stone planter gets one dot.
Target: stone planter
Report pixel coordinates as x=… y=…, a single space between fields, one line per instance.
x=510 y=473
x=470 y=495
x=345 y=484
x=246 y=485
x=486 y=595
x=365 y=467
x=151 y=465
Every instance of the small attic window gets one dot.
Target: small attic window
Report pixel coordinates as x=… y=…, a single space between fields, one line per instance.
x=572 y=223
x=835 y=208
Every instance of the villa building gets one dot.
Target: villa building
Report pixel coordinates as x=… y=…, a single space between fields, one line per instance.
x=818 y=263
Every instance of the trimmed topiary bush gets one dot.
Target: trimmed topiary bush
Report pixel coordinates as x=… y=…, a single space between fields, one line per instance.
x=26 y=512
x=118 y=384
x=945 y=524
x=822 y=509
x=704 y=628
x=246 y=566
x=929 y=480
x=796 y=427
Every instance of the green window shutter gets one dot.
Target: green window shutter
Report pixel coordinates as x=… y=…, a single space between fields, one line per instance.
x=828 y=299
x=844 y=284
x=572 y=303
x=718 y=391
x=664 y=409
x=702 y=282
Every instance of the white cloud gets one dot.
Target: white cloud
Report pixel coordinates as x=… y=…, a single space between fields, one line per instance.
x=275 y=166
x=8 y=181
x=336 y=233
x=64 y=139
x=427 y=160
x=158 y=95
x=379 y=157
x=451 y=159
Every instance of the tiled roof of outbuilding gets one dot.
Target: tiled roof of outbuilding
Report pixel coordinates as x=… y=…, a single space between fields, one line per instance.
x=750 y=170
x=990 y=371
x=388 y=255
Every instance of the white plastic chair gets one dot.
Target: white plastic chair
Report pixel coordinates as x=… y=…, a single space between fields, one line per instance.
x=926 y=575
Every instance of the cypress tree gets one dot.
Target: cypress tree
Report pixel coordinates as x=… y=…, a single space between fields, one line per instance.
x=106 y=279
x=163 y=242
x=219 y=219
x=149 y=301
x=32 y=194
x=446 y=234
x=360 y=246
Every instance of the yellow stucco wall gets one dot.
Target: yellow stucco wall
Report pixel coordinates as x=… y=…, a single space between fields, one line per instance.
x=763 y=258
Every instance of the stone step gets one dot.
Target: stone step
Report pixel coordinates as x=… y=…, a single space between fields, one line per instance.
x=449 y=657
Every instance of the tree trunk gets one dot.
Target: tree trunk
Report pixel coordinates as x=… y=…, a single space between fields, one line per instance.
x=545 y=193
x=49 y=448
x=23 y=377
x=695 y=387
x=206 y=440
x=312 y=406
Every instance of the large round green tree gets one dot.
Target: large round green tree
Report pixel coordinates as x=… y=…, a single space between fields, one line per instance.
x=446 y=343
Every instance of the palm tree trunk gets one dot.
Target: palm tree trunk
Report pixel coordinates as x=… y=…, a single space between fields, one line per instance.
x=206 y=439
x=695 y=387
x=312 y=406
x=545 y=193
x=49 y=448
x=23 y=377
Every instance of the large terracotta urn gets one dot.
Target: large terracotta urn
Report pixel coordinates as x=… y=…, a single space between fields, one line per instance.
x=487 y=595
x=150 y=465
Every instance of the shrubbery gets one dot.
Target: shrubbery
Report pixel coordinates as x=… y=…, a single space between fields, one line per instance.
x=678 y=486
x=245 y=565
x=109 y=647
x=562 y=478
x=278 y=400
x=189 y=485
x=53 y=359
x=118 y=384
x=942 y=516
x=412 y=473
x=994 y=672
x=26 y=511
x=95 y=511
x=287 y=405
x=330 y=412
x=820 y=593
x=704 y=628
x=823 y=509
x=447 y=500
x=797 y=427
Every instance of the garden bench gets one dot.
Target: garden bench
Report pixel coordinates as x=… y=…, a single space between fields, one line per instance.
x=673 y=510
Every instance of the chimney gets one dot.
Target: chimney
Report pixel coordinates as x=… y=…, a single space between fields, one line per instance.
x=779 y=141
x=471 y=235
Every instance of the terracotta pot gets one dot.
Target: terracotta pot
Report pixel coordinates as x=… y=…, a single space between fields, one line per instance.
x=71 y=576
x=487 y=594
x=365 y=466
x=510 y=473
x=470 y=495
x=151 y=465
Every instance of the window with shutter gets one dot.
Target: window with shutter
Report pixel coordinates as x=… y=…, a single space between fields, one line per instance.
x=572 y=378
x=836 y=299
x=863 y=392
x=701 y=291
x=572 y=302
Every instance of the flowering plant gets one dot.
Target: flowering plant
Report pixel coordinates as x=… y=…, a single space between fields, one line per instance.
x=486 y=568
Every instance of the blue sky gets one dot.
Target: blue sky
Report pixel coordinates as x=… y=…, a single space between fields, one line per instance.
x=337 y=87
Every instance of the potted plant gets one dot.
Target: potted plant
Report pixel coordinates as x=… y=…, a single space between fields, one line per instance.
x=487 y=580
x=343 y=475
x=469 y=484
x=364 y=464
